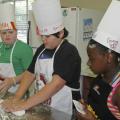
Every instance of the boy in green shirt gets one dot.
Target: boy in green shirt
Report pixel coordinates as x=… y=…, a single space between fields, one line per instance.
x=15 y=55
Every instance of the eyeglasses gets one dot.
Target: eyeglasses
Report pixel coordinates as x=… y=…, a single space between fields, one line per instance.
x=4 y=32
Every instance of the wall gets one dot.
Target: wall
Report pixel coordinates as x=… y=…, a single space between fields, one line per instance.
x=93 y=4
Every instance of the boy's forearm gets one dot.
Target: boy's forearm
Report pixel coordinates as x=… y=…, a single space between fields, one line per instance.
x=27 y=79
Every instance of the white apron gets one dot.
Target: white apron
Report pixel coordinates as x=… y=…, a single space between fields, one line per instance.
x=7 y=70
x=62 y=100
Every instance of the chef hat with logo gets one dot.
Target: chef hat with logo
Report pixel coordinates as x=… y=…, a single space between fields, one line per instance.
x=7 y=17
x=48 y=16
x=108 y=31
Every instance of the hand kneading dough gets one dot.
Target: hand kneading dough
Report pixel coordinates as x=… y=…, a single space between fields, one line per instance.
x=17 y=113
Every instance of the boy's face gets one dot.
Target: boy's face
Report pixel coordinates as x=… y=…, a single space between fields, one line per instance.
x=50 y=41
x=97 y=61
x=8 y=36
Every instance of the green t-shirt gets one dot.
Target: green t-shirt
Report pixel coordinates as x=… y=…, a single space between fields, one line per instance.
x=21 y=58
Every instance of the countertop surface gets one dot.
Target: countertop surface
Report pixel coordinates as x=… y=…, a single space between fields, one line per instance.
x=40 y=112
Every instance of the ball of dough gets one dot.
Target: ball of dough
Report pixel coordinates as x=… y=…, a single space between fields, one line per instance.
x=19 y=113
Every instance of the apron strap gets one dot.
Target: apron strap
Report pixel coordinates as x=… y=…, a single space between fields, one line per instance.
x=12 y=52
x=74 y=89
x=1 y=47
x=58 y=48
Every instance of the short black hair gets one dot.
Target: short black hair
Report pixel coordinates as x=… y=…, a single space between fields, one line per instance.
x=65 y=33
x=98 y=46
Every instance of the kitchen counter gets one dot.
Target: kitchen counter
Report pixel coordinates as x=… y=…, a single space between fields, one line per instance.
x=40 y=112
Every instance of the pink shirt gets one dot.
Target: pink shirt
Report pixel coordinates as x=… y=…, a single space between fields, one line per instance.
x=114 y=109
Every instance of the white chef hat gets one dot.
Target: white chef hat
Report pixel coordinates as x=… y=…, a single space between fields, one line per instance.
x=7 y=17
x=108 y=31
x=48 y=16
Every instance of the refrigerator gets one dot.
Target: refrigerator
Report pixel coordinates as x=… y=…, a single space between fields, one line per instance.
x=81 y=24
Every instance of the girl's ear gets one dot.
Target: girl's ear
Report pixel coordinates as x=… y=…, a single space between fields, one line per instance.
x=109 y=57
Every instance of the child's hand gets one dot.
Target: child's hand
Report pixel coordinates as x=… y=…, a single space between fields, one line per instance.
x=88 y=114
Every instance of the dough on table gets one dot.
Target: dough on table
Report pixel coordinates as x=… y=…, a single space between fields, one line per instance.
x=17 y=113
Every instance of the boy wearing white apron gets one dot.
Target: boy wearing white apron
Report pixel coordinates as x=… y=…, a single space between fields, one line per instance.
x=55 y=65
x=15 y=56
